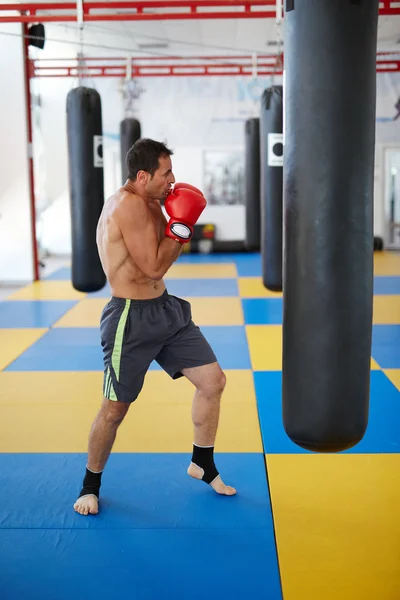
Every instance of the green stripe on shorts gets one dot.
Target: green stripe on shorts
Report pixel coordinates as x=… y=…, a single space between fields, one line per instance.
x=117 y=350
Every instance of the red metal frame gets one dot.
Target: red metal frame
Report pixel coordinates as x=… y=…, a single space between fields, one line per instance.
x=190 y=66
x=27 y=77
x=32 y=12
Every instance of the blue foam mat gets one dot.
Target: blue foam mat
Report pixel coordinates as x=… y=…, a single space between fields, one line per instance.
x=32 y=313
x=382 y=435
x=386 y=346
x=386 y=285
x=79 y=349
x=139 y=491
x=138 y=564
x=262 y=311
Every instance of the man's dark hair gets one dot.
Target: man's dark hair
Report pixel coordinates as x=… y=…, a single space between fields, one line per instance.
x=144 y=155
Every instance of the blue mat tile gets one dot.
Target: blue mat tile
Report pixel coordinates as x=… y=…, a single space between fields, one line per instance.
x=139 y=491
x=105 y=292
x=62 y=274
x=262 y=311
x=229 y=344
x=104 y=564
x=79 y=349
x=383 y=433
x=63 y=349
x=196 y=259
x=248 y=265
x=202 y=287
x=386 y=285
x=32 y=313
x=386 y=346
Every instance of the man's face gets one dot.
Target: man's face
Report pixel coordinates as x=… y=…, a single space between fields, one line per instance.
x=159 y=185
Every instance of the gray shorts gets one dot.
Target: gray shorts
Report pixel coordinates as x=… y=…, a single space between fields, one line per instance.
x=136 y=332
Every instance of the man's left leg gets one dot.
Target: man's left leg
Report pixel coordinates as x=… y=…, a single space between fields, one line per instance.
x=187 y=353
x=209 y=381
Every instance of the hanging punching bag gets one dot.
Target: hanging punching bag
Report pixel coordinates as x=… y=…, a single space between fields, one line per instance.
x=252 y=183
x=129 y=133
x=329 y=139
x=85 y=153
x=271 y=153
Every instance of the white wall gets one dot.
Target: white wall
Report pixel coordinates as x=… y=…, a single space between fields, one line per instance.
x=193 y=115
x=16 y=255
x=387 y=134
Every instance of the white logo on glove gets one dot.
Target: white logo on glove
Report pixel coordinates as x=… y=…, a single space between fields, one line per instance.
x=181 y=231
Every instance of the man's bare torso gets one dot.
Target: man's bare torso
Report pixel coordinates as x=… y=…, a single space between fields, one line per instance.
x=125 y=278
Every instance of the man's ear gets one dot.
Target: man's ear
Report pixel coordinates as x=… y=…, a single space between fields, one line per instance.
x=142 y=177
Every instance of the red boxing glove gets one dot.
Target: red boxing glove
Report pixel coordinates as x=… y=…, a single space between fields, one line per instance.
x=184 y=205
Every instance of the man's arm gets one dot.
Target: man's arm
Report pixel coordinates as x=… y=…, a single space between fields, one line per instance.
x=153 y=258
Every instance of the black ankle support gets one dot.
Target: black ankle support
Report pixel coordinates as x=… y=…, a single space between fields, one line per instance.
x=204 y=458
x=91 y=484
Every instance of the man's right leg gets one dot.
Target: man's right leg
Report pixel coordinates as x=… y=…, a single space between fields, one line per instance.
x=101 y=440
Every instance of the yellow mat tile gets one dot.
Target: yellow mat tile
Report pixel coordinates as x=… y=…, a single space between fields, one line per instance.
x=217 y=311
x=265 y=347
x=203 y=271
x=337 y=526
x=83 y=388
x=253 y=287
x=374 y=365
x=394 y=376
x=15 y=341
x=205 y=311
x=146 y=428
x=386 y=263
x=48 y=290
x=387 y=310
x=51 y=387
x=85 y=313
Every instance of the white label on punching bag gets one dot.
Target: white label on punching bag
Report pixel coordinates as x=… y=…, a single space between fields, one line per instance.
x=275 y=149
x=98 y=150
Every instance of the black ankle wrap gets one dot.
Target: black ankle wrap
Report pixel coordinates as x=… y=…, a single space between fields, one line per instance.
x=203 y=457
x=91 y=484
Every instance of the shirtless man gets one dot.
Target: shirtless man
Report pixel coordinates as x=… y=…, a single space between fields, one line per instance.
x=142 y=322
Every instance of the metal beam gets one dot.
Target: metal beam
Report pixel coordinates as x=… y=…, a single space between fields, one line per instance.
x=175 y=66
x=139 y=10
x=153 y=10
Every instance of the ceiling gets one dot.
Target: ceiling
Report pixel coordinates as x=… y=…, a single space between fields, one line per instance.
x=184 y=37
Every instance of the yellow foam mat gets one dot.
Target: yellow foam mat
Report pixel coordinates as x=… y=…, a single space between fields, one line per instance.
x=203 y=271
x=387 y=310
x=253 y=287
x=85 y=387
x=85 y=313
x=337 y=525
x=48 y=290
x=386 y=263
x=15 y=341
x=265 y=347
x=205 y=311
x=53 y=412
x=217 y=311
x=394 y=376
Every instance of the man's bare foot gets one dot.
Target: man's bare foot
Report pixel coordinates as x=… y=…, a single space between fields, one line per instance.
x=87 y=505
x=217 y=485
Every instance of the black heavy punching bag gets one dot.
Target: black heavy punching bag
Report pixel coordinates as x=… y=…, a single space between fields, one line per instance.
x=252 y=183
x=271 y=153
x=129 y=133
x=85 y=151
x=329 y=137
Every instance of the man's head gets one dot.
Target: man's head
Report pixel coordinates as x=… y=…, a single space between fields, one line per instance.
x=150 y=168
